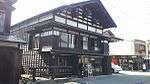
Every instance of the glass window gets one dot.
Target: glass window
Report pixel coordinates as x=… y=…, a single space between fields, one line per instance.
x=56 y=33
x=71 y=41
x=99 y=31
x=36 y=42
x=72 y=23
x=33 y=21
x=62 y=61
x=82 y=26
x=96 y=45
x=46 y=33
x=60 y=19
x=85 y=43
x=59 y=29
x=2 y=20
x=64 y=39
x=45 y=17
x=90 y=28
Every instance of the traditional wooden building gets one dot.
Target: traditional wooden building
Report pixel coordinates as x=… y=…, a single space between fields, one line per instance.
x=64 y=40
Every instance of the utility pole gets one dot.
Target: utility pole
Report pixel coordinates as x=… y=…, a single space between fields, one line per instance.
x=148 y=46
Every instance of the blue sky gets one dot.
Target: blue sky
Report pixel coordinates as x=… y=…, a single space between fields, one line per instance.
x=131 y=16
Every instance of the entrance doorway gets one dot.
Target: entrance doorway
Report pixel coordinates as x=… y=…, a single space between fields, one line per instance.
x=90 y=65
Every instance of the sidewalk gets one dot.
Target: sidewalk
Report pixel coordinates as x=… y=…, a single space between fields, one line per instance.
x=135 y=73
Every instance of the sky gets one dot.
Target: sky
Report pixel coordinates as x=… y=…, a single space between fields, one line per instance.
x=131 y=16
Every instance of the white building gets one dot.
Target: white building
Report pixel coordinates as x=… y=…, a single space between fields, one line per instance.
x=133 y=47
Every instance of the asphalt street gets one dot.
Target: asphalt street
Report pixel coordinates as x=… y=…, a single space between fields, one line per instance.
x=124 y=77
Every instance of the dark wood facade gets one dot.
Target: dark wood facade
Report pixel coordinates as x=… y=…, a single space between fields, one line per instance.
x=64 y=40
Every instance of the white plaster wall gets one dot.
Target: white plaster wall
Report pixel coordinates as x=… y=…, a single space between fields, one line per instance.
x=122 y=48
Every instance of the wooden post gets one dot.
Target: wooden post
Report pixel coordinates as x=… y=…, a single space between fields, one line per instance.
x=33 y=74
x=106 y=62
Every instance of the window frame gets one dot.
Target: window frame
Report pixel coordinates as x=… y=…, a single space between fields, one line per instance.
x=85 y=41
x=96 y=47
x=66 y=41
x=2 y=20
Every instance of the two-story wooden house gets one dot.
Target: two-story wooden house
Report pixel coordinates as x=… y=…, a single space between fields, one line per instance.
x=63 y=41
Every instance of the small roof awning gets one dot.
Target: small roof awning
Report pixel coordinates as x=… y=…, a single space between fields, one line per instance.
x=111 y=37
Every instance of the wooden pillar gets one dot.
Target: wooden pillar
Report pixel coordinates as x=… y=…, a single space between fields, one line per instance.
x=106 y=62
x=106 y=65
x=74 y=61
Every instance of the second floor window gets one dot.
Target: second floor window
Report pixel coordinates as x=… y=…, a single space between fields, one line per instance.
x=85 y=43
x=2 y=20
x=96 y=45
x=64 y=40
x=36 y=42
x=46 y=33
x=71 y=41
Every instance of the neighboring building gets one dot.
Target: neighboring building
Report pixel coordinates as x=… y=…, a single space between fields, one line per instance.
x=10 y=54
x=134 y=47
x=129 y=54
x=62 y=41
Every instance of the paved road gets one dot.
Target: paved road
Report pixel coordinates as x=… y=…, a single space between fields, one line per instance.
x=125 y=77
x=117 y=79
